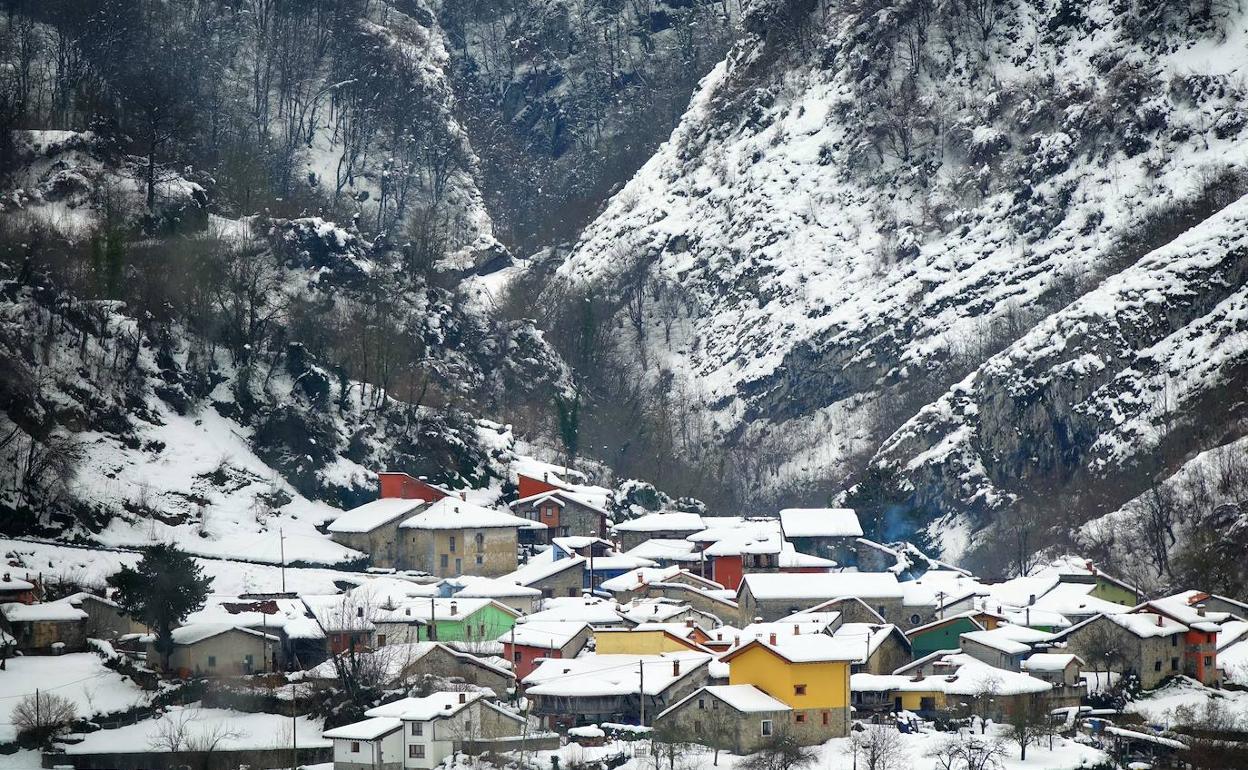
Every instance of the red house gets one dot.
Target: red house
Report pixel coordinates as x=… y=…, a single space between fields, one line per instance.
x=526 y=644
x=16 y=589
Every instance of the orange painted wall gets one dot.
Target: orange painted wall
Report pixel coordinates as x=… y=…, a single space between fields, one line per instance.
x=404 y=486
x=727 y=571
x=530 y=486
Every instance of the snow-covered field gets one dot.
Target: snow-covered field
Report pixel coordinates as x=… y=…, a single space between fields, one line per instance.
x=1184 y=695
x=80 y=677
x=227 y=729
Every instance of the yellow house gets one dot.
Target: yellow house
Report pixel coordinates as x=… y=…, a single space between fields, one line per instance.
x=643 y=641
x=807 y=672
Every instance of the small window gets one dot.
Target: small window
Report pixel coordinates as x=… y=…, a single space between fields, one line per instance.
x=480 y=541
x=355 y=747
x=766 y=728
x=517 y=656
x=701 y=703
x=381 y=640
x=248 y=660
x=1157 y=666
x=1208 y=660
x=799 y=689
x=826 y=718
x=452 y=544
x=880 y=609
x=418 y=728
x=714 y=705
x=480 y=559
x=1174 y=664
x=914 y=620
x=444 y=560
x=212 y=661
x=1174 y=641
x=799 y=717
x=481 y=630
x=459 y=566
x=697 y=727
x=416 y=751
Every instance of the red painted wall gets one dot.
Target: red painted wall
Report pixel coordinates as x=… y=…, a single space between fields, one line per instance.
x=727 y=571
x=404 y=486
x=528 y=657
x=530 y=486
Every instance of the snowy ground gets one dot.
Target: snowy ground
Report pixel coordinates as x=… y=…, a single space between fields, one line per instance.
x=235 y=730
x=1160 y=706
x=836 y=755
x=80 y=677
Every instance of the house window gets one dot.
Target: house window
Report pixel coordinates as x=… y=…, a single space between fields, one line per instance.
x=914 y=620
x=418 y=728
x=880 y=609
x=248 y=661
x=1157 y=666
x=480 y=559
x=517 y=656
x=701 y=703
x=714 y=705
x=1174 y=664
x=826 y=717
x=1208 y=660
x=381 y=640
x=212 y=661
x=1174 y=641
x=697 y=727
x=481 y=630
x=799 y=689
x=766 y=728
x=799 y=717
x=480 y=542
x=459 y=566
x=452 y=544
x=468 y=631
x=444 y=560
x=416 y=751
x=355 y=747
x=574 y=591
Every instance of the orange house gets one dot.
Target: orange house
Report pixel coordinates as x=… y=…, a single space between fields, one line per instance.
x=530 y=486
x=405 y=487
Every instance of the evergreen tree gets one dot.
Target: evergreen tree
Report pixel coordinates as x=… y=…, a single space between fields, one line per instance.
x=161 y=590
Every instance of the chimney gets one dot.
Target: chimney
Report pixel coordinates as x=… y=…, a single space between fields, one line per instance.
x=719 y=636
x=1031 y=599
x=1159 y=621
x=457 y=509
x=1200 y=610
x=447 y=707
x=454 y=608
x=771 y=639
x=545 y=476
x=675 y=668
x=7 y=577
x=359 y=612
x=407 y=611
x=463 y=697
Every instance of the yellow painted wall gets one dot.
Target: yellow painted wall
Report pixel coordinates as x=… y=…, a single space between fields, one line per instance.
x=912 y=701
x=827 y=684
x=636 y=643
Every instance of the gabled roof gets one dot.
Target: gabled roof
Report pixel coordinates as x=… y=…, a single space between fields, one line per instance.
x=743 y=698
x=826 y=585
x=674 y=635
x=1050 y=661
x=550 y=635
x=961 y=616
x=367 y=730
x=869 y=637
x=596 y=675
x=833 y=604
x=543 y=566
x=54 y=612
x=820 y=522
x=438 y=705
x=453 y=609
x=804 y=648
x=370 y=516
x=563 y=497
x=1142 y=625
x=668 y=521
x=452 y=513
x=1011 y=640
x=194 y=634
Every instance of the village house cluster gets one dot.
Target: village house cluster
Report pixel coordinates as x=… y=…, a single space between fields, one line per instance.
x=728 y=629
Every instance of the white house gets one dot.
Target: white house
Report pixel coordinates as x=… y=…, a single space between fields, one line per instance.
x=418 y=733
x=374 y=744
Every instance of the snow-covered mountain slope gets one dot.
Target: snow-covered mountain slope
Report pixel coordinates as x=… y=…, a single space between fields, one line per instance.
x=867 y=201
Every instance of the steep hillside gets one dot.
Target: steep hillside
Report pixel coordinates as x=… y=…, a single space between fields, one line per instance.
x=867 y=201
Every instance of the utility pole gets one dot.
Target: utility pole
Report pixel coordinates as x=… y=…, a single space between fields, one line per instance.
x=433 y=626
x=38 y=718
x=281 y=544
x=641 y=686
x=294 y=726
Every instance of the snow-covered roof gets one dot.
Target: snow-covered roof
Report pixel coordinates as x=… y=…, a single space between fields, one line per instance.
x=806 y=648
x=367 y=730
x=620 y=562
x=746 y=541
x=605 y=675
x=967 y=676
x=866 y=636
x=1049 y=662
x=54 y=612
x=968 y=615
x=452 y=513
x=340 y=612
x=791 y=558
x=471 y=586
x=653 y=610
x=828 y=585
x=636 y=578
x=745 y=698
x=1231 y=633
x=667 y=549
x=391 y=660
x=1147 y=624
x=1186 y=607
x=370 y=516
x=83 y=596
x=436 y=705
x=542 y=566
x=1009 y=639
x=288 y=615
x=453 y=609
x=592 y=610
x=820 y=522
x=668 y=521
x=1076 y=600
x=595 y=501
x=815 y=623
x=551 y=635
x=11 y=583
x=193 y=634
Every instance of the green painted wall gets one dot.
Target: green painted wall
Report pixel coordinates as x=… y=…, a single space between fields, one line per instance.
x=1114 y=593
x=941 y=638
x=490 y=619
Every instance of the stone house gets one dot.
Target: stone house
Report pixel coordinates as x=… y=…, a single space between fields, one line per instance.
x=881 y=649
x=50 y=627
x=213 y=650
x=944 y=634
x=1004 y=647
x=563 y=578
x=563 y=514
x=667 y=525
x=525 y=644
x=1062 y=670
x=1150 y=645
x=452 y=537
x=829 y=533
x=772 y=596
x=373 y=529
x=17 y=588
x=438 y=660
x=739 y=718
x=105 y=618
x=373 y=744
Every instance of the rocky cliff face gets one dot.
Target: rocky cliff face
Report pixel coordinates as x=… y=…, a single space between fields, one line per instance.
x=867 y=201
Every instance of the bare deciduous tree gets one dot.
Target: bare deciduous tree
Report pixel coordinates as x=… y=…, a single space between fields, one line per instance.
x=43 y=715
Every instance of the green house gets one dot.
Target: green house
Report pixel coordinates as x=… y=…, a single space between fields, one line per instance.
x=467 y=620
x=942 y=634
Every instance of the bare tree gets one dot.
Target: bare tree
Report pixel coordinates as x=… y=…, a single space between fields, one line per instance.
x=189 y=738
x=1028 y=720
x=968 y=752
x=781 y=752
x=878 y=747
x=43 y=715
